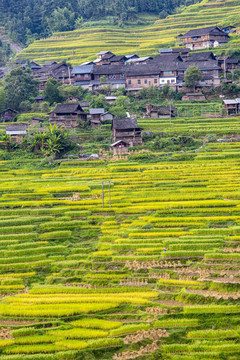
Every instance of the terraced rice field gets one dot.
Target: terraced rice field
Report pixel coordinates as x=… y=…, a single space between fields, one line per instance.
x=83 y=44
x=156 y=276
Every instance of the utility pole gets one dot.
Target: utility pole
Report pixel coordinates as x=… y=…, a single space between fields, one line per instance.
x=136 y=45
x=109 y=187
x=225 y=73
x=109 y=184
x=102 y=195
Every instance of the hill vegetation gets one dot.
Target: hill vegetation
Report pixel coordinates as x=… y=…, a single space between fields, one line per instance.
x=82 y=44
x=29 y=19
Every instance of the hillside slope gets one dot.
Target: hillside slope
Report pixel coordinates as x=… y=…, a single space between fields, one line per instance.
x=80 y=45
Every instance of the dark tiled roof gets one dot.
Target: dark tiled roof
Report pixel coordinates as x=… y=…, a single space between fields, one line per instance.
x=77 y=83
x=123 y=124
x=108 y=81
x=202 y=65
x=202 y=56
x=214 y=30
x=108 y=69
x=8 y=109
x=68 y=109
x=16 y=127
x=118 y=58
x=108 y=56
x=82 y=69
x=144 y=69
x=39 y=97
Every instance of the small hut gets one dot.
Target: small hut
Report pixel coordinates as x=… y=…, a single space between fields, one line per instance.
x=232 y=107
x=8 y=115
x=160 y=111
x=127 y=130
x=17 y=132
x=68 y=115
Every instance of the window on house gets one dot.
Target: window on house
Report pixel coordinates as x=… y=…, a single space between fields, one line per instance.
x=155 y=81
x=145 y=81
x=139 y=81
x=167 y=72
x=162 y=81
x=172 y=81
x=129 y=81
x=78 y=75
x=85 y=75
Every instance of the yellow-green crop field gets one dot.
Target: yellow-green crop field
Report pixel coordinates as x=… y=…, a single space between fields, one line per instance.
x=83 y=44
x=154 y=276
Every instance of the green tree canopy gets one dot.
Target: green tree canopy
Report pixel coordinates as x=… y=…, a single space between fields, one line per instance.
x=19 y=86
x=192 y=76
x=52 y=92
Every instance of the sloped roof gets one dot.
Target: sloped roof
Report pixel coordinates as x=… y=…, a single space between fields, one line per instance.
x=108 y=70
x=82 y=69
x=214 y=30
x=16 y=127
x=202 y=56
x=104 y=52
x=141 y=59
x=116 y=58
x=129 y=56
x=108 y=56
x=143 y=69
x=68 y=109
x=97 y=111
x=125 y=123
x=202 y=65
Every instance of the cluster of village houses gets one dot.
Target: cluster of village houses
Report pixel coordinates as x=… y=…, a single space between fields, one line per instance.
x=133 y=73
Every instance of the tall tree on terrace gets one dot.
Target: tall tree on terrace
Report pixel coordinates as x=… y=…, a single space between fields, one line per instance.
x=19 y=86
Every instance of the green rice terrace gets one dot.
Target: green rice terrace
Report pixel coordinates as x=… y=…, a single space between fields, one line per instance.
x=71 y=46
x=154 y=276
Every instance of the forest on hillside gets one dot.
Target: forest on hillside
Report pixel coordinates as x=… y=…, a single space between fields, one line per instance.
x=26 y=20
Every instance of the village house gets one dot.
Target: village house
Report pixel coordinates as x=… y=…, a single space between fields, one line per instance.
x=183 y=52
x=17 y=132
x=209 y=69
x=109 y=72
x=160 y=111
x=127 y=130
x=61 y=72
x=68 y=115
x=39 y=99
x=83 y=74
x=102 y=54
x=131 y=57
x=111 y=99
x=8 y=115
x=232 y=107
x=95 y=116
x=84 y=104
x=142 y=76
x=36 y=121
x=204 y=38
x=114 y=84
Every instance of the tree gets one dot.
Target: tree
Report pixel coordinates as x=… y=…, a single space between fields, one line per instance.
x=20 y=86
x=2 y=99
x=192 y=76
x=61 y=20
x=52 y=92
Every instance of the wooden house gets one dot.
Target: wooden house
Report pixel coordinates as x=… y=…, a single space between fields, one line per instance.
x=204 y=38
x=139 y=60
x=68 y=115
x=8 y=115
x=39 y=99
x=160 y=111
x=36 y=121
x=101 y=54
x=82 y=73
x=17 y=132
x=232 y=107
x=127 y=130
x=142 y=76
x=119 y=147
x=95 y=116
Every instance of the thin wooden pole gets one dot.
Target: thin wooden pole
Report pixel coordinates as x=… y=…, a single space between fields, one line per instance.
x=110 y=205
x=102 y=195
